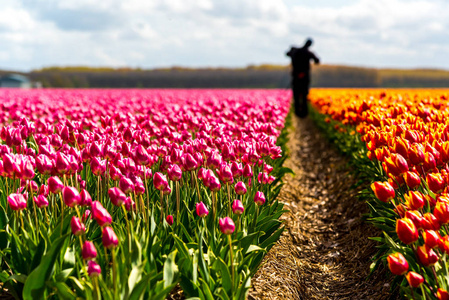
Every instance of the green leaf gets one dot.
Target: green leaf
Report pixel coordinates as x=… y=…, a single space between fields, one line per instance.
x=3 y=218
x=63 y=291
x=170 y=269
x=254 y=248
x=206 y=290
x=272 y=239
x=35 y=284
x=140 y=288
x=226 y=280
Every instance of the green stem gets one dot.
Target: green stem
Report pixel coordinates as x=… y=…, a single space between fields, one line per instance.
x=232 y=264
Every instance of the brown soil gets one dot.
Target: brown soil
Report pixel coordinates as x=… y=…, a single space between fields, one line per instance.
x=324 y=252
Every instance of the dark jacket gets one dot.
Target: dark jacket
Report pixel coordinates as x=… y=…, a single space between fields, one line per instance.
x=301 y=60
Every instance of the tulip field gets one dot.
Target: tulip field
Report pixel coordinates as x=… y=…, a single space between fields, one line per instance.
x=399 y=141
x=127 y=194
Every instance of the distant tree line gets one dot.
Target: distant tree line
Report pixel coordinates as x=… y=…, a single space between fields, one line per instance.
x=262 y=76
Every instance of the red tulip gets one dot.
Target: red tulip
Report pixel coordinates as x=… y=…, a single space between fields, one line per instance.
x=383 y=191
x=406 y=231
x=201 y=210
x=78 y=228
x=414 y=279
x=426 y=255
x=431 y=238
x=414 y=200
x=435 y=182
x=441 y=212
x=397 y=263
x=442 y=294
x=169 y=220
x=412 y=179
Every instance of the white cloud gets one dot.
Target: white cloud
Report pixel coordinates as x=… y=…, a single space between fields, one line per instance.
x=151 y=33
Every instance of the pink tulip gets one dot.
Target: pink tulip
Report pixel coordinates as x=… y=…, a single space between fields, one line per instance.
x=17 y=201
x=62 y=163
x=240 y=188
x=71 y=196
x=41 y=201
x=117 y=196
x=201 y=210
x=85 y=198
x=160 y=181
x=55 y=184
x=126 y=185
x=237 y=207
x=259 y=198
x=227 y=226
x=78 y=228
x=109 y=238
x=93 y=269
x=44 y=165
x=89 y=252
x=247 y=171
x=100 y=214
x=174 y=173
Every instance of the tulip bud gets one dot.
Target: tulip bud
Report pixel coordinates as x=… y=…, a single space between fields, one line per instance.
x=17 y=202
x=430 y=222
x=117 y=196
x=55 y=184
x=412 y=179
x=85 y=198
x=175 y=173
x=236 y=169
x=139 y=187
x=93 y=269
x=240 y=188
x=227 y=226
x=126 y=185
x=89 y=252
x=201 y=210
x=109 y=238
x=100 y=214
x=426 y=255
x=169 y=220
x=247 y=171
x=406 y=231
x=160 y=181
x=259 y=198
x=397 y=263
x=431 y=238
x=414 y=200
x=189 y=162
x=435 y=182
x=442 y=294
x=78 y=228
x=62 y=163
x=383 y=191
x=237 y=207
x=71 y=196
x=40 y=201
x=414 y=279
x=441 y=212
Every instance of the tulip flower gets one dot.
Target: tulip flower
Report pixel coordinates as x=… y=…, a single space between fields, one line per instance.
x=100 y=214
x=61 y=163
x=227 y=226
x=412 y=179
x=430 y=222
x=78 y=228
x=109 y=238
x=201 y=210
x=442 y=294
x=86 y=199
x=55 y=185
x=240 y=188
x=89 y=252
x=41 y=201
x=406 y=231
x=383 y=191
x=175 y=173
x=236 y=169
x=71 y=196
x=441 y=212
x=426 y=255
x=237 y=207
x=397 y=263
x=169 y=220
x=414 y=279
x=17 y=201
x=414 y=200
x=259 y=198
x=93 y=269
x=247 y=171
x=435 y=182
x=160 y=181
x=431 y=238
x=117 y=196
x=126 y=185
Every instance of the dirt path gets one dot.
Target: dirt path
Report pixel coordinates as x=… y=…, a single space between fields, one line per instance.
x=324 y=252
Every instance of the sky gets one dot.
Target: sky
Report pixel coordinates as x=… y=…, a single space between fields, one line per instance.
x=221 y=33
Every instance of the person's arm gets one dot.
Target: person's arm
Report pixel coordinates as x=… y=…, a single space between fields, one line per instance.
x=316 y=60
x=290 y=52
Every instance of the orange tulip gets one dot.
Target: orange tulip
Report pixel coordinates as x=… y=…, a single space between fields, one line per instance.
x=383 y=191
x=406 y=231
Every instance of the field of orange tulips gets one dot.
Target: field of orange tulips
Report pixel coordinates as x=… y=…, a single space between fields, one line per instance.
x=399 y=144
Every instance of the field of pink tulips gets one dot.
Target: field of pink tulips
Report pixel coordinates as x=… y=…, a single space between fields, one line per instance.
x=124 y=194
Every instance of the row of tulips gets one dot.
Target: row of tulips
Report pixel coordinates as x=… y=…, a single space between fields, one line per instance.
x=399 y=138
x=113 y=194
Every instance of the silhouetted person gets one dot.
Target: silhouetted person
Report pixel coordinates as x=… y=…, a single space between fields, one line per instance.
x=301 y=75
